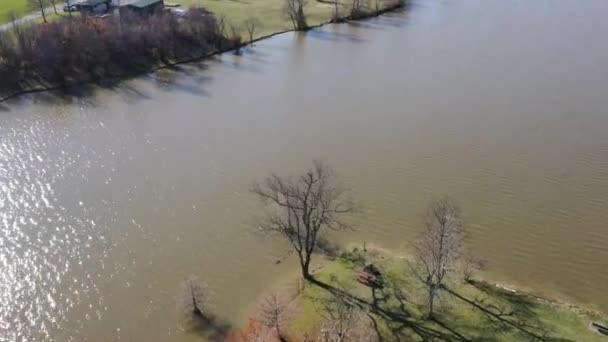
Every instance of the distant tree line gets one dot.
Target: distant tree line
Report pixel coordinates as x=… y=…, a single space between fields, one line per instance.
x=357 y=9
x=89 y=49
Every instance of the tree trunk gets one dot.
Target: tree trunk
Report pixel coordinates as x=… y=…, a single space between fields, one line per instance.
x=42 y=10
x=429 y=315
x=302 y=25
x=54 y=7
x=336 y=16
x=305 y=264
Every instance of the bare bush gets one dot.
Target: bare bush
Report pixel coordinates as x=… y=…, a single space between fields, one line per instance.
x=357 y=9
x=193 y=297
x=304 y=208
x=471 y=265
x=251 y=25
x=439 y=247
x=294 y=9
x=235 y=37
x=275 y=312
x=336 y=10
x=345 y=322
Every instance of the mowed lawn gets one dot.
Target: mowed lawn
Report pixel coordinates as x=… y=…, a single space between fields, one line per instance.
x=467 y=312
x=268 y=12
x=18 y=7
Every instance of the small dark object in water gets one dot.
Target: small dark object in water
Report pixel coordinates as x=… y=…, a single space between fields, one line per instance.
x=277 y=262
x=600 y=328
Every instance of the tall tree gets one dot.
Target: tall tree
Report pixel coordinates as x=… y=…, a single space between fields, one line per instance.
x=38 y=5
x=439 y=247
x=54 y=6
x=251 y=24
x=294 y=9
x=304 y=208
x=68 y=4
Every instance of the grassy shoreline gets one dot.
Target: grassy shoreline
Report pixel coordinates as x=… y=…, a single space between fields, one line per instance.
x=473 y=311
x=274 y=22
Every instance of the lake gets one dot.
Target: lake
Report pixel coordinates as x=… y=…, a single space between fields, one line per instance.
x=109 y=200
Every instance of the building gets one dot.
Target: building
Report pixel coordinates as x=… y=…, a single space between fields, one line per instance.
x=144 y=7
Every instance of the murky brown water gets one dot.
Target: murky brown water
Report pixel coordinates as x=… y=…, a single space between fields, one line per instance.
x=110 y=201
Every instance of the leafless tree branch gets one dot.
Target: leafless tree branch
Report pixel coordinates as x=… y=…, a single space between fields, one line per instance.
x=303 y=208
x=440 y=246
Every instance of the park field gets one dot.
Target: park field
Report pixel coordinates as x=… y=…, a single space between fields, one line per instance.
x=268 y=12
x=472 y=311
x=18 y=7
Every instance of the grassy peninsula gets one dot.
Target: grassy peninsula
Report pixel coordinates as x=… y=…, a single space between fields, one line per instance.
x=467 y=311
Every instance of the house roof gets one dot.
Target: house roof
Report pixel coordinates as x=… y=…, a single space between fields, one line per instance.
x=144 y=3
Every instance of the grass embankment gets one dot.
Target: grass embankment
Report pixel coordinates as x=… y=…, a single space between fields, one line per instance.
x=17 y=7
x=466 y=312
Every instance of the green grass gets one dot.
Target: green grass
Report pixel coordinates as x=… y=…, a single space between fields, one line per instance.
x=50 y=17
x=268 y=12
x=477 y=311
x=18 y=7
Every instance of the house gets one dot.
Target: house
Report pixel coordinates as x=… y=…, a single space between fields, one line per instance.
x=144 y=7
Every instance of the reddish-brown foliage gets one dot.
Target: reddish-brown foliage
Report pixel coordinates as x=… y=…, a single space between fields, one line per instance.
x=254 y=331
x=87 y=48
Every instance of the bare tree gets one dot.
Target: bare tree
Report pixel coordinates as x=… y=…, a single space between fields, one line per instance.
x=470 y=265
x=275 y=312
x=193 y=296
x=305 y=208
x=439 y=247
x=235 y=37
x=336 y=10
x=38 y=5
x=345 y=322
x=54 y=6
x=68 y=4
x=251 y=24
x=357 y=9
x=219 y=29
x=294 y=9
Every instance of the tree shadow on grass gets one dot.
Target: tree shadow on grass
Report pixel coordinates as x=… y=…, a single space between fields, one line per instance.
x=401 y=323
x=328 y=248
x=391 y=307
x=514 y=311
